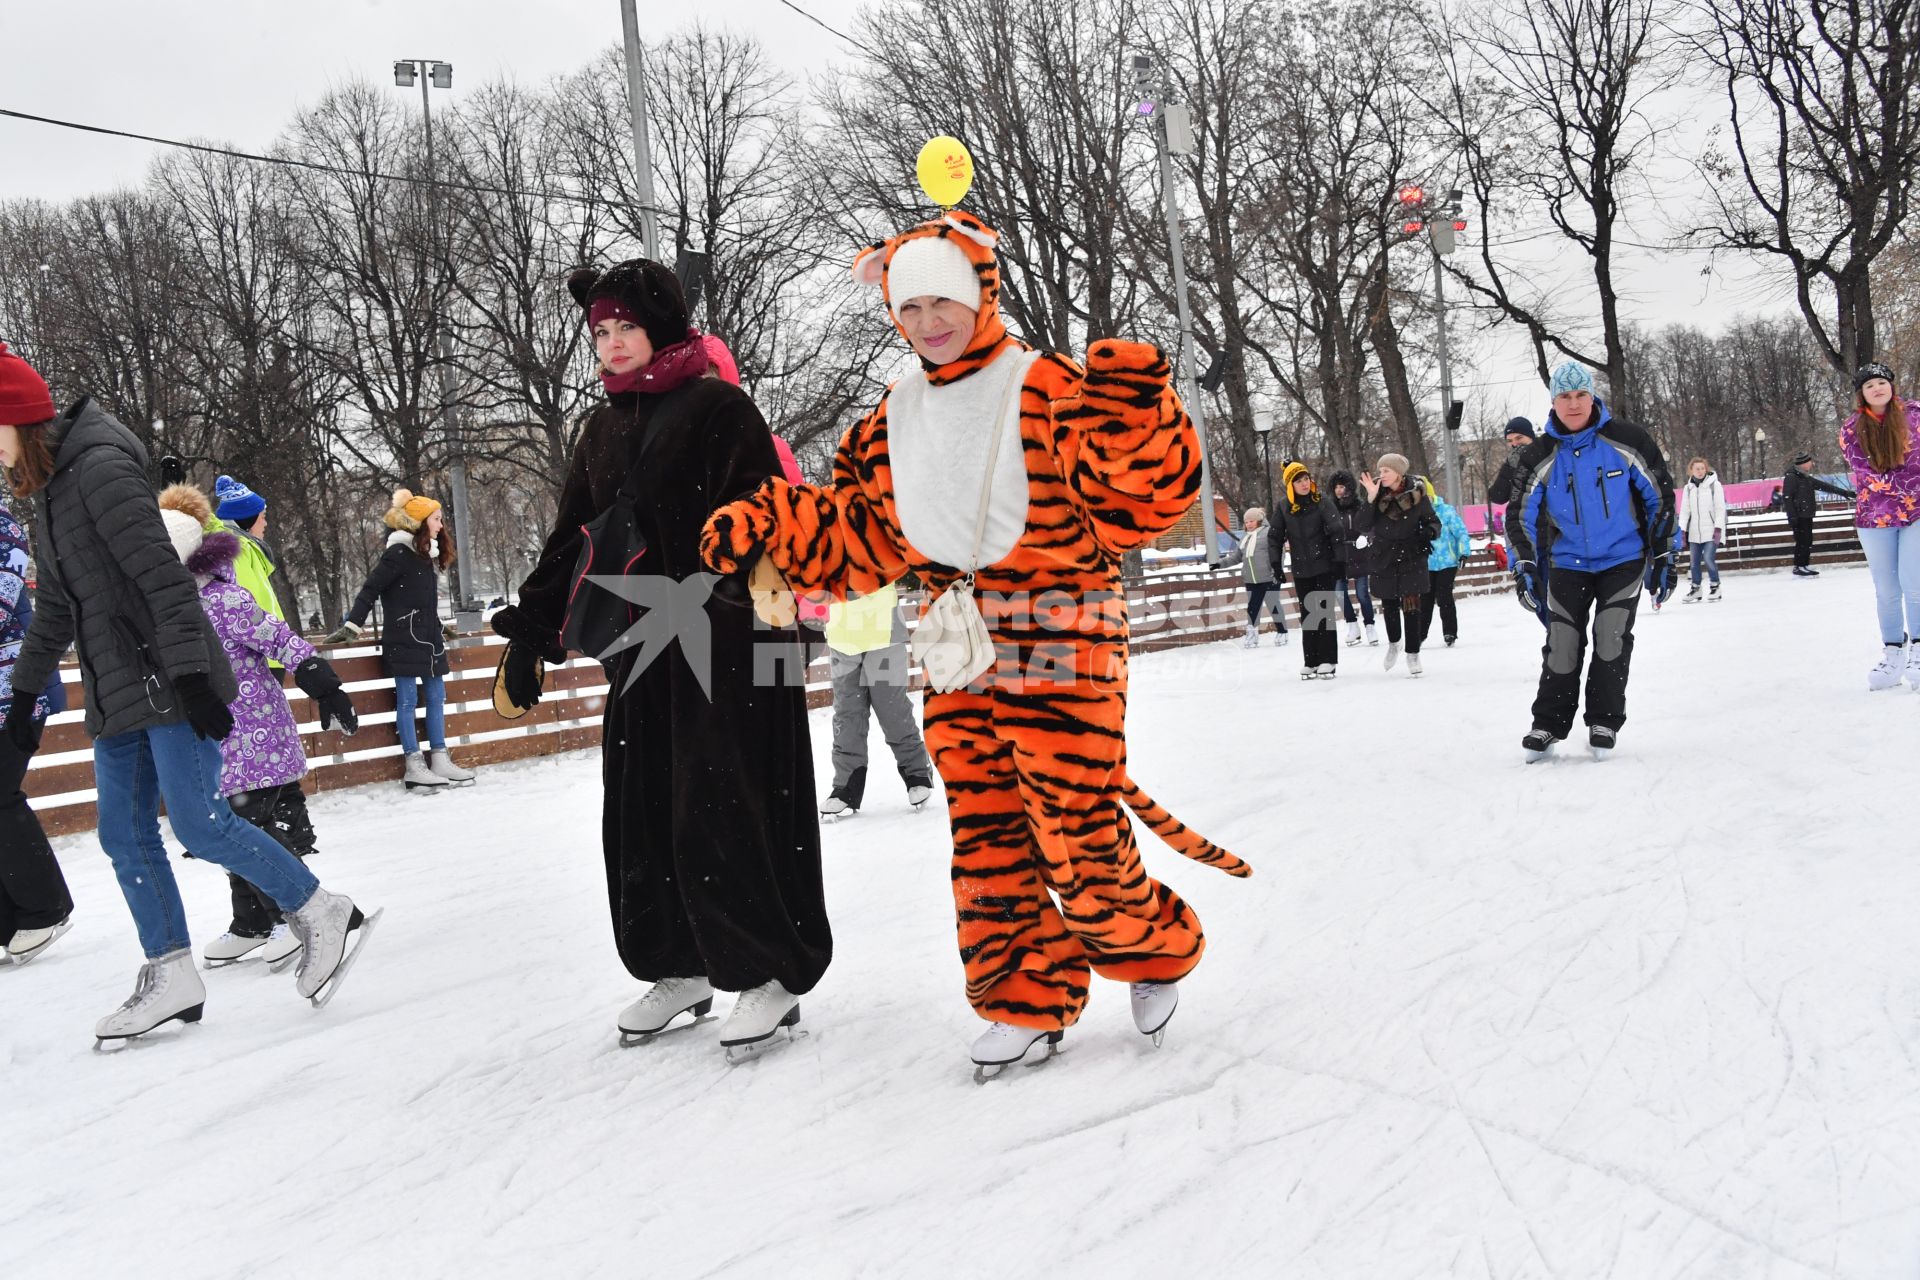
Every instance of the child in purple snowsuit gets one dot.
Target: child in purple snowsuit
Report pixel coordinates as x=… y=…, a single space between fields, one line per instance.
x=261 y=761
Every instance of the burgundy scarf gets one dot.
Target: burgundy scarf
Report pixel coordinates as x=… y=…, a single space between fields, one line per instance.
x=671 y=367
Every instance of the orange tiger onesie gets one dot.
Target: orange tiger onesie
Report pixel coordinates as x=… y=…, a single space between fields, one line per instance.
x=1033 y=753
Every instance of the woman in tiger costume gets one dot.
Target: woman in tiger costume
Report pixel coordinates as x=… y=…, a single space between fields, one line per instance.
x=1047 y=879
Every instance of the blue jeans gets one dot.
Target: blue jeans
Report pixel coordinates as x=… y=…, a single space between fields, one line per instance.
x=1893 y=558
x=406 y=697
x=1707 y=552
x=133 y=773
x=1346 y=601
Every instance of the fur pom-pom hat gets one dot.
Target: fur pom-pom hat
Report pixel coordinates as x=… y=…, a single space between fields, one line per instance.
x=409 y=510
x=185 y=510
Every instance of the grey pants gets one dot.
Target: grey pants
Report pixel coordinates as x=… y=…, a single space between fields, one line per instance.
x=878 y=680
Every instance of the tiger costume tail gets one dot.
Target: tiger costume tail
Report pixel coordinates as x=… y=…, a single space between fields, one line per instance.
x=1178 y=834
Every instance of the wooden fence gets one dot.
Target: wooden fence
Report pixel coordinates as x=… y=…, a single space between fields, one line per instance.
x=1165 y=611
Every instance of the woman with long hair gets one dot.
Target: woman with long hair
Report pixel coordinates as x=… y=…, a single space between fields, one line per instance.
x=1881 y=442
x=1400 y=525
x=405 y=582
x=157 y=686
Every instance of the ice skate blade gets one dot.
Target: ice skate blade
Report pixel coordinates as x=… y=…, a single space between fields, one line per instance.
x=846 y=815
x=702 y=1011
x=211 y=965
x=1535 y=757
x=284 y=962
x=425 y=789
x=1599 y=753
x=985 y=1071
x=118 y=1043
x=325 y=994
x=741 y=1052
x=787 y=1023
x=28 y=957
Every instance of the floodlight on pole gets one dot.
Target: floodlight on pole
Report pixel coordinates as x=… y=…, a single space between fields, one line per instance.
x=403 y=73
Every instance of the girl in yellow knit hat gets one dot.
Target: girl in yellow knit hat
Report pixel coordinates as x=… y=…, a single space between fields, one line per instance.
x=405 y=581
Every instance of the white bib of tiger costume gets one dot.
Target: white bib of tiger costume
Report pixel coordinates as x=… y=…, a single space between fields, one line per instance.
x=934 y=452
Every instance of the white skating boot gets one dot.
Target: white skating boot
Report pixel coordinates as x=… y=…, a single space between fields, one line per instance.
x=1913 y=667
x=1353 y=634
x=666 y=1000
x=1326 y=671
x=757 y=1015
x=1279 y=639
x=1393 y=654
x=1153 y=1006
x=230 y=948
x=1413 y=665
x=282 y=948
x=1373 y=637
x=1251 y=640
x=1002 y=1044
x=919 y=789
x=1713 y=594
x=441 y=765
x=167 y=988
x=28 y=944
x=324 y=926
x=1893 y=667
x=420 y=775
x=1692 y=596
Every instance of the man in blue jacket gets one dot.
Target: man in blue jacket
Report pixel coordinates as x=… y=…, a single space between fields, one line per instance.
x=1595 y=503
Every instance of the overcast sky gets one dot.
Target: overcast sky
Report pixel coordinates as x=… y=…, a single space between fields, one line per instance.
x=236 y=71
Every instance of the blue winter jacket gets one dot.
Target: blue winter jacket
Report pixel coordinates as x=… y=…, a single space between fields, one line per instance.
x=1454 y=543
x=1593 y=498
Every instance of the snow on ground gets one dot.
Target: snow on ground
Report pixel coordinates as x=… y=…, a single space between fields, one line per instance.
x=1658 y=1017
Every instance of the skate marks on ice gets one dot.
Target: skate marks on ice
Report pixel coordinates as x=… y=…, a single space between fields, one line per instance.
x=1656 y=1020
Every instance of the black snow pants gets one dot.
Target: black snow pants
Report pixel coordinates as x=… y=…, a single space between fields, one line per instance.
x=1612 y=597
x=33 y=892
x=281 y=812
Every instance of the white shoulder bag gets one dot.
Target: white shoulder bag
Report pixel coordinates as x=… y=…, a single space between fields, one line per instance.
x=952 y=644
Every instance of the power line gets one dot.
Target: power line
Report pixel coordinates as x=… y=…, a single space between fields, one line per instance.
x=823 y=26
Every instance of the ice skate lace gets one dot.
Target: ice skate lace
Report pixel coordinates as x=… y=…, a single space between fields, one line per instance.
x=143 y=986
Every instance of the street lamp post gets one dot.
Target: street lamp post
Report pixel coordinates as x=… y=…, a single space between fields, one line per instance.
x=1263 y=427
x=1760 y=449
x=434 y=74
x=1173 y=131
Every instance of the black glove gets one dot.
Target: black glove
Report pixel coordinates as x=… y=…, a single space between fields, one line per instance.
x=520 y=675
x=511 y=624
x=1526 y=584
x=205 y=712
x=23 y=727
x=1660 y=578
x=318 y=680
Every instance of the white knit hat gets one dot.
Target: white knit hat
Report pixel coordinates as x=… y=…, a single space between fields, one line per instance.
x=185 y=531
x=932 y=265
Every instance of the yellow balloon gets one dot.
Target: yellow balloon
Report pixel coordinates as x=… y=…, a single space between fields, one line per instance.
x=945 y=170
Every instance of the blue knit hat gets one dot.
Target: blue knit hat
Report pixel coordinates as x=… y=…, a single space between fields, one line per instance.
x=236 y=502
x=1571 y=376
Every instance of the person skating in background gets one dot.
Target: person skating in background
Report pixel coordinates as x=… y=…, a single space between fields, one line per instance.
x=156 y=683
x=405 y=582
x=709 y=830
x=1520 y=434
x=1350 y=558
x=1703 y=522
x=867 y=644
x=243 y=512
x=1800 y=490
x=1310 y=526
x=36 y=907
x=1262 y=576
x=1595 y=497
x=1400 y=526
x=1450 y=550
x=1881 y=441
x=261 y=761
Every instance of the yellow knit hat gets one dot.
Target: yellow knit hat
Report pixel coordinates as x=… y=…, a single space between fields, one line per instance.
x=409 y=510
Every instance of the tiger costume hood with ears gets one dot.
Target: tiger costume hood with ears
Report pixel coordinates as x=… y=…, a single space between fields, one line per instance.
x=975 y=241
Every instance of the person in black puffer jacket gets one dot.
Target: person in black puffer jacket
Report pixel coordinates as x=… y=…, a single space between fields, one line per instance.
x=1313 y=531
x=157 y=685
x=1401 y=526
x=405 y=582
x=1350 y=558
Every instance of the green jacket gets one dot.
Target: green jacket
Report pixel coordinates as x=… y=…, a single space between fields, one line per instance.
x=254 y=571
